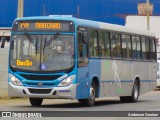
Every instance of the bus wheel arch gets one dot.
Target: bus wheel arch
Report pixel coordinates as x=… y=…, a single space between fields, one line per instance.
x=134 y=92
x=93 y=92
x=95 y=81
x=137 y=79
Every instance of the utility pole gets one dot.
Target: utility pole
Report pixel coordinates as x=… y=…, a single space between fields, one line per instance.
x=44 y=10
x=78 y=9
x=148 y=15
x=20 y=8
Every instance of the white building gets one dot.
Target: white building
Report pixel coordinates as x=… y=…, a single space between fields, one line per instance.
x=6 y=32
x=140 y=22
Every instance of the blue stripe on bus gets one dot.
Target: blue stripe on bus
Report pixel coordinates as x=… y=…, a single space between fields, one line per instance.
x=129 y=81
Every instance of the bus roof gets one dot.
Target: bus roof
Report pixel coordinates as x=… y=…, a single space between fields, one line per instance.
x=93 y=24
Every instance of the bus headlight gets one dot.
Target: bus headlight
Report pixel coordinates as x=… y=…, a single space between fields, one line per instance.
x=67 y=81
x=15 y=80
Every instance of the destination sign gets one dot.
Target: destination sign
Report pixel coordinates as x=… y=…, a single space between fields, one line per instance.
x=26 y=63
x=61 y=26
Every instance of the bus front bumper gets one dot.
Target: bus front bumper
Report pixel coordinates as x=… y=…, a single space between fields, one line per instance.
x=68 y=92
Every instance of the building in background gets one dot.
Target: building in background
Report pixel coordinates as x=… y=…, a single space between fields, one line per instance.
x=142 y=9
x=111 y=11
x=140 y=22
x=5 y=32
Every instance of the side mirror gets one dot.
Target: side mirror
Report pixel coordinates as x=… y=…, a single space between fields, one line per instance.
x=12 y=44
x=3 y=40
x=157 y=41
x=84 y=38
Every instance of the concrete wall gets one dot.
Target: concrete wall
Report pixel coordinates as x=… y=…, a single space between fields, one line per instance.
x=4 y=70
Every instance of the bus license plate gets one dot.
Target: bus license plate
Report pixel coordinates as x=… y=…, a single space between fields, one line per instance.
x=64 y=93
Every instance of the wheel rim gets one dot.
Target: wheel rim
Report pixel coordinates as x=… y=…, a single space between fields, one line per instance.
x=135 y=91
x=92 y=93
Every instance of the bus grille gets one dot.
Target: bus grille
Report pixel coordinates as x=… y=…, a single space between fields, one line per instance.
x=44 y=84
x=39 y=91
x=40 y=77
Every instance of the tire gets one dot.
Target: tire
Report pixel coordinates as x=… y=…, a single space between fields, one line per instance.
x=135 y=94
x=90 y=101
x=36 y=102
x=81 y=100
x=125 y=99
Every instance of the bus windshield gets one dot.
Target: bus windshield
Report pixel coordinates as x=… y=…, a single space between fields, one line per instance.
x=42 y=52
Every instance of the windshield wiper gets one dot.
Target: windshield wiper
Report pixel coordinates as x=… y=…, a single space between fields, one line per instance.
x=52 y=39
x=28 y=36
x=44 y=45
x=47 y=43
x=36 y=45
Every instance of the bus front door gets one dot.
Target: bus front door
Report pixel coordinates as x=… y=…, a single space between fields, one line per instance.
x=83 y=73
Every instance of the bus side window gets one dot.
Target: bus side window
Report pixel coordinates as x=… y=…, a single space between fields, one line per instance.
x=104 y=44
x=152 y=49
x=82 y=51
x=145 y=48
x=93 y=44
x=136 y=47
x=126 y=46
x=101 y=44
x=116 y=45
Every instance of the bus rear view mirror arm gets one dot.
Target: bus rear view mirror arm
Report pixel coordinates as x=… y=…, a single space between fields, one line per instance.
x=84 y=37
x=3 y=42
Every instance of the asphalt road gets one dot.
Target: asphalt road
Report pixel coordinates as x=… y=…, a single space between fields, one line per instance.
x=147 y=102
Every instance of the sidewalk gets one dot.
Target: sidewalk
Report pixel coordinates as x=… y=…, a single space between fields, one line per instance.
x=4 y=70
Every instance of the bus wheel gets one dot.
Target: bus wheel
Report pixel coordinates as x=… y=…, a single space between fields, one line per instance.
x=91 y=100
x=36 y=101
x=81 y=100
x=135 y=94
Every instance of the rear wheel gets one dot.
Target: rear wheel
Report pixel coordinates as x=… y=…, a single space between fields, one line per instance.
x=36 y=101
x=135 y=94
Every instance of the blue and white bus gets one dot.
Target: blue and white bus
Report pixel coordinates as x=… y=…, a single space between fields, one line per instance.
x=59 y=57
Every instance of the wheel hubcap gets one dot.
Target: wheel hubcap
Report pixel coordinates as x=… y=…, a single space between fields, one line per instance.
x=135 y=92
x=92 y=93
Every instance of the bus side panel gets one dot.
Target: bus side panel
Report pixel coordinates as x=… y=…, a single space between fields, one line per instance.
x=95 y=70
x=106 y=77
x=146 y=73
x=115 y=80
x=82 y=90
x=153 y=71
x=109 y=86
x=126 y=80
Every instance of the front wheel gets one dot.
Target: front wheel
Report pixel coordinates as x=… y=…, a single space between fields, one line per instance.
x=36 y=101
x=90 y=101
